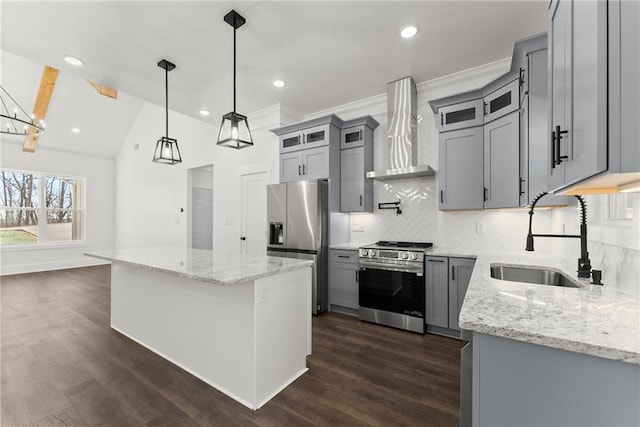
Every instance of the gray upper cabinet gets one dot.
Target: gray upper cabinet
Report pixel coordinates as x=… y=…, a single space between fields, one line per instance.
x=461 y=115
x=461 y=169
x=535 y=151
x=460 y=270
x=502 y=161
x=356 y=159
x=436 y=291
x=352 y=179
x=579 y=95
x=502 y=101
x=315 y=163
x=308 y=149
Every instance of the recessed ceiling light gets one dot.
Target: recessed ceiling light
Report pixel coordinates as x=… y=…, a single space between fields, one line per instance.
x=409 y=31
x=279 y=83
x=204 y=113
x=73 y=60
x=75 y=130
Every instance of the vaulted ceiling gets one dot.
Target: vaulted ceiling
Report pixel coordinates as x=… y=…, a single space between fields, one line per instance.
x=328 y=53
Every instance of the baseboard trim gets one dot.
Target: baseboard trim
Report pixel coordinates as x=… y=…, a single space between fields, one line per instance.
x=48 y=266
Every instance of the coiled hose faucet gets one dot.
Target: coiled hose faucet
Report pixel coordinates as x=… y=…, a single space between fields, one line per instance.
x=584 y=263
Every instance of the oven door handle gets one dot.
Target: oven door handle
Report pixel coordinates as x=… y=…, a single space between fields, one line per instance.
x=363 y=265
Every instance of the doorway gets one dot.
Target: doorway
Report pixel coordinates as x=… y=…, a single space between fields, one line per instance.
x=253 y=221
x=200 y=227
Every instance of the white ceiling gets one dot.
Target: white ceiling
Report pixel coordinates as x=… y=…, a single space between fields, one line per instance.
x=329 y=53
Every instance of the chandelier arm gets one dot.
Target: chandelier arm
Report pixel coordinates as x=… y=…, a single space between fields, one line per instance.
x=16 y=102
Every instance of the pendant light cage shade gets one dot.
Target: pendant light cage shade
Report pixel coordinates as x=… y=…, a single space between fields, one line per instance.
x=234 y=131
x=167 y=151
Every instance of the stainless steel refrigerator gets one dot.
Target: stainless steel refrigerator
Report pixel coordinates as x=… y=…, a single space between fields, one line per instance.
x=297 y=223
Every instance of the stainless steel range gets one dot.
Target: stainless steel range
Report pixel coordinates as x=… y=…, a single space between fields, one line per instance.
x=391 y=284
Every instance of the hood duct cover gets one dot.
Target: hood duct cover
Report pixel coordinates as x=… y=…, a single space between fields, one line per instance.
x=402 y=138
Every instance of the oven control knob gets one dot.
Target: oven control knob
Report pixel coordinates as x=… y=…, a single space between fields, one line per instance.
x=414 y=256
x=372 y=253
x=404 y=255
x=364 y=252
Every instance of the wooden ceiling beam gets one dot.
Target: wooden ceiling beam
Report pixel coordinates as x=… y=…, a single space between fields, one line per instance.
x=41 y=104
x=104 y=90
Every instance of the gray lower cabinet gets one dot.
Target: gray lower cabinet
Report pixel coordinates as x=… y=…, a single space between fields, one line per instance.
x=516 y=383
x=436 y=281
x=461 y=169
x=343 y=281
x=460 y=270
x=502 y=162
x=446 y=283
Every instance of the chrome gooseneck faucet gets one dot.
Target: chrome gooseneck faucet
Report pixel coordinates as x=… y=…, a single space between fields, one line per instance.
x=584 y=263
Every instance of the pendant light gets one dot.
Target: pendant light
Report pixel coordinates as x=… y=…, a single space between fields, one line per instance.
x=234 y=129
x=167 y=150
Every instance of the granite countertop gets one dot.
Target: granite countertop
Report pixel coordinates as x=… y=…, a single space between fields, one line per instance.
x=602 y=321
x=203 y=265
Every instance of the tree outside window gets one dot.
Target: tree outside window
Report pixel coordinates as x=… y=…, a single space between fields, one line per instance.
x=40 y=208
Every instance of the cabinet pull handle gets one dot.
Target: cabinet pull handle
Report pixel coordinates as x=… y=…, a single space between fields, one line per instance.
x=356 y=276
x=553 y=149
x=435 y=260
x=360 y=133
x=441 y=196
x=485 y=108
x=299 y=170
x=484 y=193
x=361 y=200
x=304 y=138
x=520 y=185
x=453 y=273
x=304 y=169
x=343 y=256
x=441 y=119
x=521 y=76
x=559 y=134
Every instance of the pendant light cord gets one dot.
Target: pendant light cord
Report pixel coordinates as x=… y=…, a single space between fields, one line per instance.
x=166 y=100
x=234 y=65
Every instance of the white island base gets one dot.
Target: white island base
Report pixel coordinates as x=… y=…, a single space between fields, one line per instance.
x=248 y=340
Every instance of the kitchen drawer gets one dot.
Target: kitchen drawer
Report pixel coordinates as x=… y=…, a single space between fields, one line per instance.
x=343 y=255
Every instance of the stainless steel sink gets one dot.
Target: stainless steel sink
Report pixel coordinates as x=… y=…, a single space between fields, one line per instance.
x=532 y=274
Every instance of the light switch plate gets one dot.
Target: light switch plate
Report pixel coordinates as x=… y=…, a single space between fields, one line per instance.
x=481 y=228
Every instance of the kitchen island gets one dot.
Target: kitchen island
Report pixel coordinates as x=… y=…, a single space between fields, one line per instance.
x=550 y=355
x=240 y=323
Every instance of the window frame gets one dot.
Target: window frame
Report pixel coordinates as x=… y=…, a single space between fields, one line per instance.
x=42 y=210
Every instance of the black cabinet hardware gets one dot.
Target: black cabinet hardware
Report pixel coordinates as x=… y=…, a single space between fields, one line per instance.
x=435 y=260
x=343 y=256
x=485 y=190
x=521 y=76
x=441 y=196
x=485 y=108
x=299 y=170
x=243 y=238
x=521 y=190
x=453 y=272
x=361 y=200
x=441 y=119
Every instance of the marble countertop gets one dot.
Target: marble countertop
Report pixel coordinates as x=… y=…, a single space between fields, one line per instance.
x=602 y=321
x=202 y=265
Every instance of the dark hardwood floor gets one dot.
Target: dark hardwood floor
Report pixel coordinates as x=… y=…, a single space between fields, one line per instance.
x=63 y=365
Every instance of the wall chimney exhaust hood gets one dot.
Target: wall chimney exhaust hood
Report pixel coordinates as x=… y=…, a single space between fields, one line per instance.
x=402 y=141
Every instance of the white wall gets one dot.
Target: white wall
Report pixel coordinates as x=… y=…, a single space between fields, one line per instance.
x=149 y=195
x=99 y=174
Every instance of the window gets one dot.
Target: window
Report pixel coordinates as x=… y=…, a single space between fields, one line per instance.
x=40 y=208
